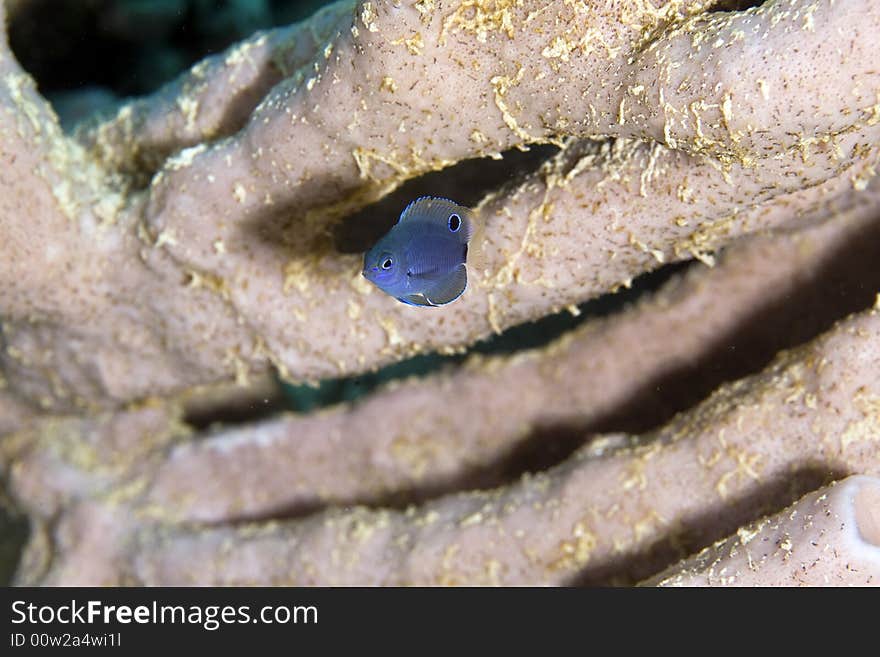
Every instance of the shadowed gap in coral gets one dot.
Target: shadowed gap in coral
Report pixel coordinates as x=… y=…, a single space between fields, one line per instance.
x=844 y=284
x=305 y=398
x=695 y=533
x=13 y=537
x=467 y=182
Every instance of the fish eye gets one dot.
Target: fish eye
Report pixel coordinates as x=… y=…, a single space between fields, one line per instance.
x=386 y=263
x=454 y=223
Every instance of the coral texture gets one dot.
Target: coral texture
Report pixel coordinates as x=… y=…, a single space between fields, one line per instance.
x=805 y=544
x=196 y=238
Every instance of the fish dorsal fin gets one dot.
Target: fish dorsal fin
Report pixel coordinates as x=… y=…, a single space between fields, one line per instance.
x=436 y=209
x=449 y=289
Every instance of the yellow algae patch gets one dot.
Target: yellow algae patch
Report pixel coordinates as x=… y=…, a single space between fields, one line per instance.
x=501 y=84
x=415 y=44
x=478 y=137
x=508 y=272
x=481 y=17
x=415 y=454
x=861 y=180
x=747 y=534
x=391 y=331
x=368 y=17
x=868 y=427
x=297 y=275
x=704 y=240
x=558 y=48
x=727 y=119
x=18 y=84
x=425 y=9
x=651 y=170
x=242 y=377
x=107 y=208
x=746 y=465
x=592 y=40
x=185 y=157
x=635 y=476
x=360 y=284
x=239 y=192
x=727 y=108
x=657 y=254
x=354 y=309
x=189 y=108
x=808 y=24
x=647 y=526
x=241 y=54
x=872 y=113
x=207 y=281
x=644 y=13
x=493 y=315
x=364 y=158
x=576 y=552
x=165 y=237
x=388 y=84
x=493 y=570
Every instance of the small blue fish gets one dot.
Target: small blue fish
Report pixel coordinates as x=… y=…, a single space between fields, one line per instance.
x=422 y=260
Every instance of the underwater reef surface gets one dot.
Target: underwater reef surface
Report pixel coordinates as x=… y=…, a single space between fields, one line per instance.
x=669 y=353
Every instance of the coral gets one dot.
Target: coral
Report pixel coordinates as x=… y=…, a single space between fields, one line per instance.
x=197 y=237
x=805 y=544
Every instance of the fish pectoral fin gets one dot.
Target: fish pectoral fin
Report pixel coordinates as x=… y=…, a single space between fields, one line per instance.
x=415 y=300
x=452 y=287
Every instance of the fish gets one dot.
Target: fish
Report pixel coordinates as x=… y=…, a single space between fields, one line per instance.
x=423 y=259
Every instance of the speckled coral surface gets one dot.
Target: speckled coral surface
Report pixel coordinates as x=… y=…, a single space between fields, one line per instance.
x=619 y=509
x=828 y=538
x=184 y=241
x=813 y=408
